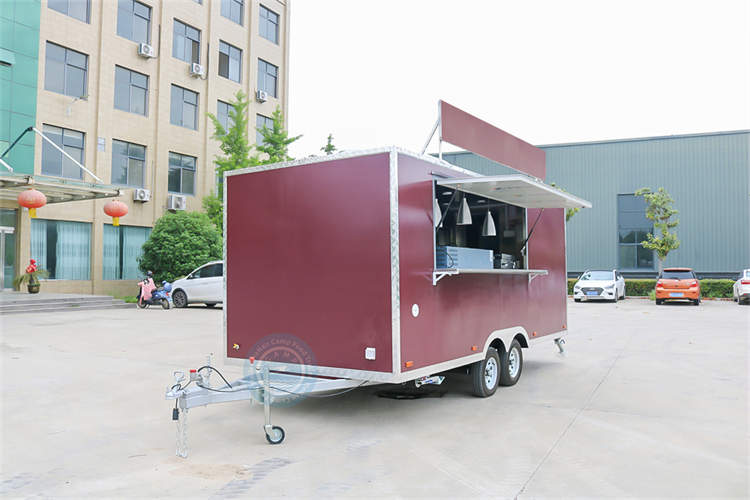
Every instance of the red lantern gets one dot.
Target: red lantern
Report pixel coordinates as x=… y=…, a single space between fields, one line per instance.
x=115 y=209
x=32 y=199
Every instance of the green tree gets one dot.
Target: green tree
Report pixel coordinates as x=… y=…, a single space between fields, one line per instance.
x=276 y=140
x=329 y=148
x=570 y=212
x=214 y=208
x=179 y=243
x=234 y=144
x=659 y=210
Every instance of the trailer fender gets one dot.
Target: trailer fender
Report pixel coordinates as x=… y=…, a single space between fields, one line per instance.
x=500 y=339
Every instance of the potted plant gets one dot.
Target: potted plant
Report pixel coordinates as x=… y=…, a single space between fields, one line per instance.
x=31 y=277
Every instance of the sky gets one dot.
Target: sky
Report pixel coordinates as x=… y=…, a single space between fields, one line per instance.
x=371 y=72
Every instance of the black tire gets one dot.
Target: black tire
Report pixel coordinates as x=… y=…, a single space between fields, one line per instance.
x=210 y=304
x=576 y=300
x=179 y=299
x=658 y=302
x=511 y=365
x=484 y=384
x=142 y=304
x=164 y=304
x=276 y=440
x=697 y=302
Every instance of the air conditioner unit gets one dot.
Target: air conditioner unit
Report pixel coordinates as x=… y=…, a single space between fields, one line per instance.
x=196 y=69
x=261 y=96
x=141 y=194
x=145 y=50
x=176 y=202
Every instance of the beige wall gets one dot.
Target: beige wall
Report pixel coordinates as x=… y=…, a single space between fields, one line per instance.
x=97 y=117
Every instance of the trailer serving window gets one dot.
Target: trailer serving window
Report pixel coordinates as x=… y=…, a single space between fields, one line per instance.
x=482 y=226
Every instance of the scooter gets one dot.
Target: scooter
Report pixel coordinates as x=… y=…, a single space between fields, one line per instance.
x=154 y=296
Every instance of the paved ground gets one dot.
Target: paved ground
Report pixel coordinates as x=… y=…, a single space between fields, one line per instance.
x=649 y=401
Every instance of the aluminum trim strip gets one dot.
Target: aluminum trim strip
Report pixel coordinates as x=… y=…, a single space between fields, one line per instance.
x=395 y=264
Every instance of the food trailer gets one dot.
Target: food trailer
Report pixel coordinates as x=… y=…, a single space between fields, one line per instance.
x=382 y=267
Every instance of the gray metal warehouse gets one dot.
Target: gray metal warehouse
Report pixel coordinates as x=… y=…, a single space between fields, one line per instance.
x=707 y=174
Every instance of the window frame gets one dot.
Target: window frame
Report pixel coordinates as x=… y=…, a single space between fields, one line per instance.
x=635 y=244
x=46 y=147
x=187 y=41
x=183 y=102
x=265 y=21
x=266 y=120
x=130 y=91
x=66 y=64
x=182 y=169
x=66 y=12
x=128 y=158
x=263 y=66
x=133 y=14
x=230 y=49
x=219 y=114
x=228 y=15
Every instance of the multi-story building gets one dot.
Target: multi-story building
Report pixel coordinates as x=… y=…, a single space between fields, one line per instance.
x=124 y=87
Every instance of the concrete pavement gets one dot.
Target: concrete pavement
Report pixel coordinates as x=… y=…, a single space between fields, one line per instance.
x=649 y=401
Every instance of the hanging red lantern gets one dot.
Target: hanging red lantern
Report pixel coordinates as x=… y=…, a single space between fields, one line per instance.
x=32 y=199
x=116 y=209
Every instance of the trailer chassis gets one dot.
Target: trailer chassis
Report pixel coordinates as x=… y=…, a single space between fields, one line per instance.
x=264 y=387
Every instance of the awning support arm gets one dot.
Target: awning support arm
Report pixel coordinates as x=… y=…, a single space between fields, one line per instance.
x=6 y=165
x=15 y=142
x=432 y=134
x=442 y=217
x=532 y=230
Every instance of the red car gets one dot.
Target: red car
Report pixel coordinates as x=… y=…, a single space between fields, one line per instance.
x=678 y=283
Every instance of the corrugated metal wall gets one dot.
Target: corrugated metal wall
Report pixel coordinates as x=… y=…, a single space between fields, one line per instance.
x=708 y=175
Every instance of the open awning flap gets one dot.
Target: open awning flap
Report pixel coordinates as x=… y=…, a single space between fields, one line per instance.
x=56 y=190
x=516 y=189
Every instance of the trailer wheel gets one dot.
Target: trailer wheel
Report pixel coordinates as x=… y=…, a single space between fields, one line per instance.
x=485 y=374
x=511 y=364
x=278 y=435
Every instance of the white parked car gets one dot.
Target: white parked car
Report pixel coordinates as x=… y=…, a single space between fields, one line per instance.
x=205 y=284
x=600 y=285
x=741 y=288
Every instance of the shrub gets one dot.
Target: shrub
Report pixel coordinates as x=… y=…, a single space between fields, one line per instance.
x=716 y=288
x=179 y=243
x=645 y=287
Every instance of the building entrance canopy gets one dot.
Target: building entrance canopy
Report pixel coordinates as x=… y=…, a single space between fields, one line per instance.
x=55 y=189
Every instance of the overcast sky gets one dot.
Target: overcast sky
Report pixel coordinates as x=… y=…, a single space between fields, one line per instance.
x=371 y=72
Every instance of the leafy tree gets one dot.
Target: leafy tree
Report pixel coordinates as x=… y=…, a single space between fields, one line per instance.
x=570 y=212
x=233 y=142
x=329 y=148
x=276 y=140
x=659 y=210
x=214 y=208
x=179 y=243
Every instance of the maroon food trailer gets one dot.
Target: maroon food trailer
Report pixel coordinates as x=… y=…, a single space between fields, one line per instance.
x=382 y=267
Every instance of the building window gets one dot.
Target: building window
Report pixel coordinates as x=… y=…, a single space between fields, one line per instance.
x=222 y=113
x=230 y=61
x=260 y=122
x=128 y=163
x=181 y=174
x=62 y=248
x=269 y=25
x=131 y=91
x=186 y=43
x=184 y=109
x=134 y=21
x=53 y=161
x=65 y=71
x=78 y=9
x=123 y=246
x=233 y=9
x=267 y=76
x=632 y=228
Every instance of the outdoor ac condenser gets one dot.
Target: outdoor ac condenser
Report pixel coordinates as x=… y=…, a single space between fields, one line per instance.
x=176 y=202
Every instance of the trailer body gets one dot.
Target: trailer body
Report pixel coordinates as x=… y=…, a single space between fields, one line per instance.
x=339 y=252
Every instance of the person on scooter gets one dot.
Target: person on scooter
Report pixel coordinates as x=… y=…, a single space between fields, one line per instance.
x=147 y=286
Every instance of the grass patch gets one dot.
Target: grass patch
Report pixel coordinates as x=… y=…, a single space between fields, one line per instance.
x=129 y=299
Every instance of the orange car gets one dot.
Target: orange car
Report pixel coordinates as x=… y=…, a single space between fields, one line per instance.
x=678 y=283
